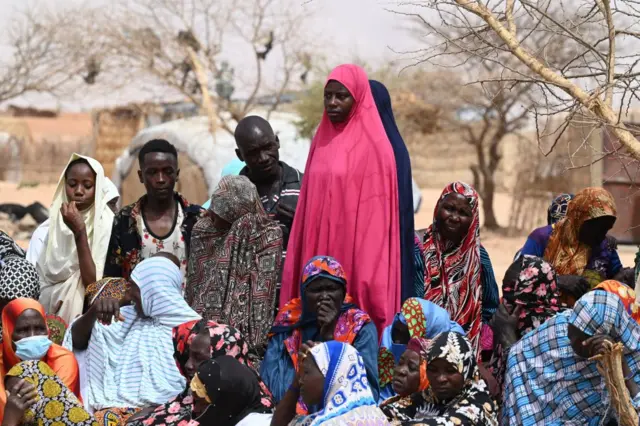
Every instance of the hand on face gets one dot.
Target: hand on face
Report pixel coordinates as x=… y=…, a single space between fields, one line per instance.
x=108 y=309
x=324 y=298
x=327 y=318
x=72 y=217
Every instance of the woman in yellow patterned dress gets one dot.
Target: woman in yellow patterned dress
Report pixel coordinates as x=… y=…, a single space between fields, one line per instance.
x=47 y=400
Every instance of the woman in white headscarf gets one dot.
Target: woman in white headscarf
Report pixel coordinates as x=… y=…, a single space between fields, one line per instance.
x=69 y=249
x=131 y=348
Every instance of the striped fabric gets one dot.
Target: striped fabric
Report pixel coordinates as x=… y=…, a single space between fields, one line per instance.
x=130 y=363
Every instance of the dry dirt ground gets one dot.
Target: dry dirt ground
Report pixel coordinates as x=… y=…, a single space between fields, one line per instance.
x=500 y=248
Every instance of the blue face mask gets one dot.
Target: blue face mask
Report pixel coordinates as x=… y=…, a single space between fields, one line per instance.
x=32 y=348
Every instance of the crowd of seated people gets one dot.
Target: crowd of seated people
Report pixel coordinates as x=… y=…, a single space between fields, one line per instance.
x=309 y=299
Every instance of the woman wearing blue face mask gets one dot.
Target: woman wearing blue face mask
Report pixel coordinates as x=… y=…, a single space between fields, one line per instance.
x=25 y=337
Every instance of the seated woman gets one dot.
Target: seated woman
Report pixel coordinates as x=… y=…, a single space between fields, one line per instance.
x=418 y=318
x=410 y=373
x=324 y=313
x=551 y=378
x=70 y=248
x=131 y=359
x=577 y=245
x=195 y=343
x=333 y=380
x=456 y=394
x=531 y=299
x=38 y=396
x=227 y=393
x=236 y=255
x=458 y=272
x=25 y=337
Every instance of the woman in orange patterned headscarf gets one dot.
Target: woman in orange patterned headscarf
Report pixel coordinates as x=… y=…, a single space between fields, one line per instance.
x=577 y=245
x=21 y=320
x=332 y=316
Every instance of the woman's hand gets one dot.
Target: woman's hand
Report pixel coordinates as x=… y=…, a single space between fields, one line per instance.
x=72 y=218
x=303 y=353
x=505 y=325
x=327 y=319
x=595 y=344
x=20 y=397
x=492 y=383
x=107 y=309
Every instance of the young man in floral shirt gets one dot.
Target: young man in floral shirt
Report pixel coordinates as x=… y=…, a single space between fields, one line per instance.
x=160 y=221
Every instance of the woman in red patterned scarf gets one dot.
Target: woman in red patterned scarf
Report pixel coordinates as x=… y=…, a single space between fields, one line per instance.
x=196 y=342
x=458 y=272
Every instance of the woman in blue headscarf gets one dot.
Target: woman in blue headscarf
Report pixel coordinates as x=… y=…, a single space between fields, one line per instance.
x=405 y=188
x=324 y=312
x=418 y=318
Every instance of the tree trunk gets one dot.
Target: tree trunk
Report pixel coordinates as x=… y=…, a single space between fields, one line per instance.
x=488 y=194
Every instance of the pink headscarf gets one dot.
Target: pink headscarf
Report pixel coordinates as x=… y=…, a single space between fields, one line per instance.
x=348 y=205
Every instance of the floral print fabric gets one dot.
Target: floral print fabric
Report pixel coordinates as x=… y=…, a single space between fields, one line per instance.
x=536 y=292
x=125 y=246
x=473 y=406
x=225 y=340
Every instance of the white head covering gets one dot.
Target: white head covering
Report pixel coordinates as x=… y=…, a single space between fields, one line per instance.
x=130 y=363
x=111 y=191
x=347 y=396
x=58 y=264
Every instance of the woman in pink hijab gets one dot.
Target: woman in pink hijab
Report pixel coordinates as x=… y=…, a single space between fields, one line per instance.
x=348 y=205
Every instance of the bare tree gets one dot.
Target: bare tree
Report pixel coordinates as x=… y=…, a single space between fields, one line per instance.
x=483 y=116
x=573 y=54
x=37 y=58
x=178 y=47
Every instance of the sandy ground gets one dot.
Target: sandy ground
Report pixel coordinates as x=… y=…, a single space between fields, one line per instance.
x=500 y=248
